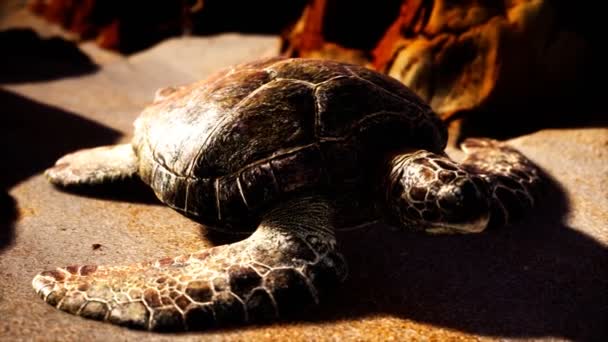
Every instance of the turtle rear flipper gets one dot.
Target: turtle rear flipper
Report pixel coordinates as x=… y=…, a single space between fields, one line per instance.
x=94 y=166
x=280 y=270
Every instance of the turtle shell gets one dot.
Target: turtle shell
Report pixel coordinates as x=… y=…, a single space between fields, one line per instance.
x=223 y=149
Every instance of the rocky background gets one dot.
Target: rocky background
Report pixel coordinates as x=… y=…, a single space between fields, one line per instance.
x=75 y=74
x=492 y=58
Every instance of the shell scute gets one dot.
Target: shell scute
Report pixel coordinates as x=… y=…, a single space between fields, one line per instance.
x=276 y=116
x=343 y=102
x=311 y=70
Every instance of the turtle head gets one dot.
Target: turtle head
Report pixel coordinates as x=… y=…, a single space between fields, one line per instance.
x=461 y=207
x=430 y=192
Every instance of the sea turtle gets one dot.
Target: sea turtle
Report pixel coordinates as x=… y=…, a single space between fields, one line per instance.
x=286 y=148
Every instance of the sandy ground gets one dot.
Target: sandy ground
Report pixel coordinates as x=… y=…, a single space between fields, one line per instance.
x=543 y=279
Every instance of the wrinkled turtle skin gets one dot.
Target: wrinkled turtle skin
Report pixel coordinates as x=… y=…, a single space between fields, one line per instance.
x=290 y=149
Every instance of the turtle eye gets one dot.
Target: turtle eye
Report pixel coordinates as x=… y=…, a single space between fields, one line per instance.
x=461 y=202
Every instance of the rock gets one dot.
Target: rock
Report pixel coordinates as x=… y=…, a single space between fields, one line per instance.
x=130 y=26
x=458 y=56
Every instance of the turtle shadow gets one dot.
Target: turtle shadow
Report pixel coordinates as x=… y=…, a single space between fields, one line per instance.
x=37 y=134
x=8 y=214
x=539 y=278
x=33 y=135
x=132 y=190
x=31 y=58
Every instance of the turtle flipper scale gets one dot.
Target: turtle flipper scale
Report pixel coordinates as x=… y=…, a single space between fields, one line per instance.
x=283 y=267
x=514 y=182
x=94 y=166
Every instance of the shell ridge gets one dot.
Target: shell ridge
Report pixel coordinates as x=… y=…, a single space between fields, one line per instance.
x=222 y=120
x=417 y=105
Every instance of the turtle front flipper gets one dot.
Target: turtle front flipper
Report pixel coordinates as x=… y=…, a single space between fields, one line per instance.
x=282 y=268
x=94 y=166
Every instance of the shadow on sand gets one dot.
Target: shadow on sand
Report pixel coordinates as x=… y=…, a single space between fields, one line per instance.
x=536 y=279
x=8 y=214
x=30 y=58
x=33 y=136
x=539 y=278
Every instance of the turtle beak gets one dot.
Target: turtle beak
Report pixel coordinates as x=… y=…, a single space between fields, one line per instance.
x=464 y=209
x=475 y=226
